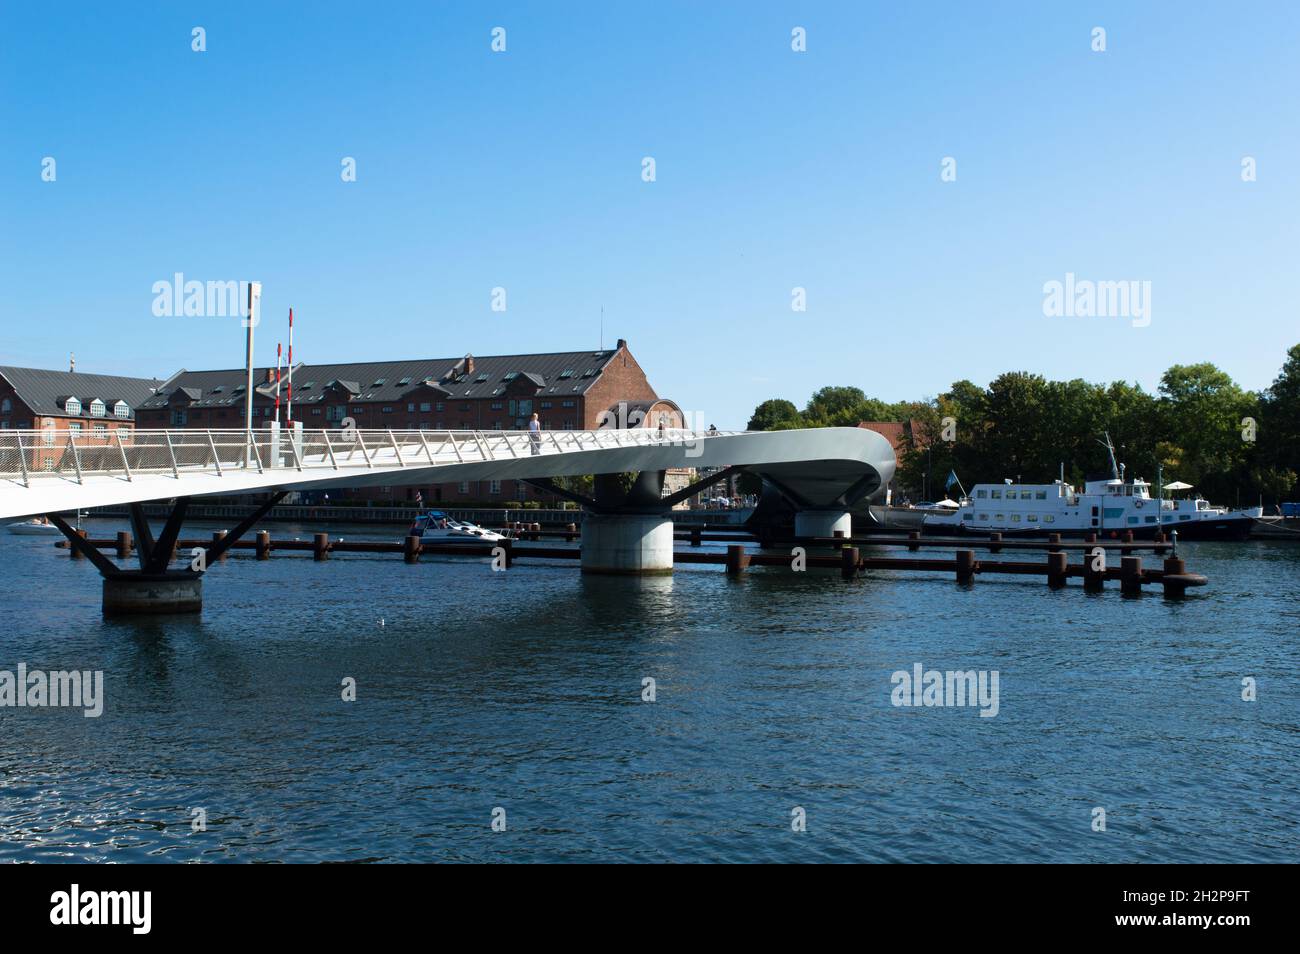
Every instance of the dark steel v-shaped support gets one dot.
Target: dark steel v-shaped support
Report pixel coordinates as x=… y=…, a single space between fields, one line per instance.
x=102 y=563
x=225 y=543
x=161 y=551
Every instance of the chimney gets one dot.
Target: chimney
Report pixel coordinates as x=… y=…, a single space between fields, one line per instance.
x=469 y=364
x=72 y=361
x=622 y=344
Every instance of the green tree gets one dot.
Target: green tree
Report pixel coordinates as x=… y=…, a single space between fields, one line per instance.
x=774 y=415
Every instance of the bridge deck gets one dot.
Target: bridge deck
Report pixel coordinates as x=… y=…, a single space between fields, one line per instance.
x=47 y=471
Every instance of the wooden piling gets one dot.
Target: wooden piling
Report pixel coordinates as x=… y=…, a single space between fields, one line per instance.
x=1127 y=538
x=1174 y=567
x=848 y=562
x=124 y=543
x=966 y=566
x=912 y=537
x=1130 y=575
x=75 y=553
x=411 y=548
x=695 y=536
x=217 y=537
x=1053 y=543
x=995 y=542
x=570 y=532
x=320 y=546
x=1093 y=580
x=264 y=544
x=509 y=546
x=1057 y=569
x=737 y=559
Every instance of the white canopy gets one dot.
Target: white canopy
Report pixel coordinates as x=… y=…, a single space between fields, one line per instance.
x=1178 y=485
x=945 y=502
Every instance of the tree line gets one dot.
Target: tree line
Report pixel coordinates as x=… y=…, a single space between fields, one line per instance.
x=1232 y=444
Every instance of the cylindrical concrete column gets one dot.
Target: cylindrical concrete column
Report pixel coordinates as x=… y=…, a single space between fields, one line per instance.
x=822 y=523
x=132 y=592
x=627 y=543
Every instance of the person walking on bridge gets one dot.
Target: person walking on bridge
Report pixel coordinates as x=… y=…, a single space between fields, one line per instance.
x=535 y=434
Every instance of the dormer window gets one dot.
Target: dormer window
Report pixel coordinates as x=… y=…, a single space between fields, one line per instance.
x=96 y=408
x=121 y=409
x=511 y=376
x=72 y=406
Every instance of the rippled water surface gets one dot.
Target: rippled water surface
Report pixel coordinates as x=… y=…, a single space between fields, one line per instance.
x=522 y=690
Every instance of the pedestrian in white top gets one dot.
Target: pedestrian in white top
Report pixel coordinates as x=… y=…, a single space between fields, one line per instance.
x=535 y=434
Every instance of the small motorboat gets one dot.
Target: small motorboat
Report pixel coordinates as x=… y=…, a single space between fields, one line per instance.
x=436 y=527
x=36 y=527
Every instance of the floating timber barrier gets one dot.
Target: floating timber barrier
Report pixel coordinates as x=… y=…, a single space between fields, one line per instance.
x=845 y=554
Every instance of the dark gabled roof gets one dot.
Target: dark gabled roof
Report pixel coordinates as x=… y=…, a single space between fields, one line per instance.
x=45 y=391
x=387 y=381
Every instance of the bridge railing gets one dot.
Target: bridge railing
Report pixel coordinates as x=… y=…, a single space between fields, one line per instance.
x=29 y=456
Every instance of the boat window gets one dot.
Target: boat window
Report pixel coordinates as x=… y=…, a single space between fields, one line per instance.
x=969 y=516
x=985 y=516
x=1015 y=518
x=1041 y=495
x=1032 y=518
x=1048 y=518
x=1011 y=495
x=1132 y=519
x=981 y=494
x=995 y=494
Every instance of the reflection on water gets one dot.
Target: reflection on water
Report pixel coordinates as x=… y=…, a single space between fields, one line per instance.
x=524 y=690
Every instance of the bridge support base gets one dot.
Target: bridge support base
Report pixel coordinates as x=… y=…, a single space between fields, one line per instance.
x=634 y=544
x=822 y=523
x=132 y=592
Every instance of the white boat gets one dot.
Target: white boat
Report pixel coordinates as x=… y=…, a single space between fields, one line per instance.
x=36 y=527
x=1107 y=508
x=436 y=527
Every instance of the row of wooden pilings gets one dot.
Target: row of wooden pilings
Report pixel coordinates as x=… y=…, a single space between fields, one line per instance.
x=1131 y=574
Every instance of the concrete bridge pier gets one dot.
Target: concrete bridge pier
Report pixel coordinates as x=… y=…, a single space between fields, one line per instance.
x=132 y=592
x=627 y=543
x=629 y=532
x=822 y=523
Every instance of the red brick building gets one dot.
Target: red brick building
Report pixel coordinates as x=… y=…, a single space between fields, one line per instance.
x=570 y=390
x=59 y=404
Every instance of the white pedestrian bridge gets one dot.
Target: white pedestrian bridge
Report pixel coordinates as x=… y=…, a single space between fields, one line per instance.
x=822 y=472
x=53 y=471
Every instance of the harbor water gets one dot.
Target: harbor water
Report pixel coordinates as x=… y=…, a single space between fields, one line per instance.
x=523 y=698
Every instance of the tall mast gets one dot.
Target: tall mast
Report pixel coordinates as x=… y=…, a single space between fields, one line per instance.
x=289 y=411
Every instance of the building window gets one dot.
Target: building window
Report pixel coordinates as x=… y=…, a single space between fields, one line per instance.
x=410 y=408
x=463 y=487
x=178 y=418
x=101 y=432
x=72 y=406
x=6 y=406
x=424 y=406
x=440 y=408
x=74 y=429
x=121 y=409
x=568 y=402
x=386 y=409
x=97 y=408
x=494 y=487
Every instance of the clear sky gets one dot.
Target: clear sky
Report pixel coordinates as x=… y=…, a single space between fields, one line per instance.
x=775 y=169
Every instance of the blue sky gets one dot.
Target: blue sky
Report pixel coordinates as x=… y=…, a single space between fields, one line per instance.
x=775 y=169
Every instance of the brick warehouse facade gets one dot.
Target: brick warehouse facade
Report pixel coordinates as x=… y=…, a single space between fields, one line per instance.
x=94 y=407
x=574 y=390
